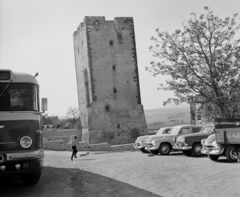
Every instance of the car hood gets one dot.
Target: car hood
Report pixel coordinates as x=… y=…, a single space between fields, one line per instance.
x=143 y=137
x=155 y=137
x=199 y=134
x=211 y=138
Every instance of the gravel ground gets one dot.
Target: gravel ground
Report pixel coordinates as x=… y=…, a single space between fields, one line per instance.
x=172 y=175
x=130 y=174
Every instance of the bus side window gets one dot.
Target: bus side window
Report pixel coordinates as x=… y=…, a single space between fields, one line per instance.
x=5 y=101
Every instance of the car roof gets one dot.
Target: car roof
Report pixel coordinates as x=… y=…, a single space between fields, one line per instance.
x=165 y=127
x=180 y=126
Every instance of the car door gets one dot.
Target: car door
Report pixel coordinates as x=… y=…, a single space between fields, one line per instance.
x=185 y=130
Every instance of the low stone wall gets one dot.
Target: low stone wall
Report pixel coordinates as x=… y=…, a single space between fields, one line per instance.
x=61 y=134
x=122 y=147
x=61 y=145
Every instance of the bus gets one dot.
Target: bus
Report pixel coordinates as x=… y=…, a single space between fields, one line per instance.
x=21 y=144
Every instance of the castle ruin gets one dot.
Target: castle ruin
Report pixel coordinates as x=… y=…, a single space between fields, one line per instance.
x=107 y=81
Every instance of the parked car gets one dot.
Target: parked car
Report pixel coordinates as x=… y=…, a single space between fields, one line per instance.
x=164 y=143
x=140 y=141
x=211 y=148
x=190 y=144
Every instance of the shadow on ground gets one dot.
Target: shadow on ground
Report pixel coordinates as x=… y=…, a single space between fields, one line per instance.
x=62 y=182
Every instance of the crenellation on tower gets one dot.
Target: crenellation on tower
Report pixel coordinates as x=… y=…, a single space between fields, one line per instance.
x=108 y=81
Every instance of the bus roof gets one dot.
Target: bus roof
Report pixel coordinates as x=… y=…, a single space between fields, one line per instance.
x=16 y=77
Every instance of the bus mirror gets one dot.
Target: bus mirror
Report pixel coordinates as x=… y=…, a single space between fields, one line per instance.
x=44 y=104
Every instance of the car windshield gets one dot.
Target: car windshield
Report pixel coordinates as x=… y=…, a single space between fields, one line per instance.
x=207 y=129
x=18 y=97
x=160 y=131
x=174 y=130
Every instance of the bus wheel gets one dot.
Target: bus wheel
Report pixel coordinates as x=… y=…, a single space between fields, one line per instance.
x=30 y=179
x=231 y=154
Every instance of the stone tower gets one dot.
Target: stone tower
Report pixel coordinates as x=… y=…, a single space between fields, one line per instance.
x=108 y=81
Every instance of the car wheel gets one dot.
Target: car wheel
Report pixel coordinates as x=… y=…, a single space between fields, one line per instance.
x=231 y=154
x=165 y=149
x=143 y=150
x=187 y=152
x=213 y=157
x=155 y=152
x=196 y=149
x=30 y=179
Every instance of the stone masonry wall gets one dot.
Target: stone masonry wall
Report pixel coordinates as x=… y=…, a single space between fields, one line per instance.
x=61 y=134
x=108 y=81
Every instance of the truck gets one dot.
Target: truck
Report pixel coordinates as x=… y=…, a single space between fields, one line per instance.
x=225 y=141
x=21 y=143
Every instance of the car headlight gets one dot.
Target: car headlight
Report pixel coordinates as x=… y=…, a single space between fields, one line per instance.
x=180 y=139
x=26 y=142
x=214 y=143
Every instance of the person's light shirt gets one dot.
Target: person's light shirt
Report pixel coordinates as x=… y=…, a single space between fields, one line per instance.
x=74 y=142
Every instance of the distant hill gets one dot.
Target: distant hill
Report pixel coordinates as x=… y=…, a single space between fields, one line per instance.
x=167 y=116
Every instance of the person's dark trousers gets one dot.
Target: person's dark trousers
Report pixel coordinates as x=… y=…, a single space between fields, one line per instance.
x=74 y=151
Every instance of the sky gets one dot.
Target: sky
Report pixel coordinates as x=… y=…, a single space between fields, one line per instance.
x=37 y=36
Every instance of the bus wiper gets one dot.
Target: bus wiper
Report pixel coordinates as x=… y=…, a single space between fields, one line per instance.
x=5 y=88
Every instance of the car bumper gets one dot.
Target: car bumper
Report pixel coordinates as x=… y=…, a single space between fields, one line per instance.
x=150 y=147
x=216 y=151
x=21 y=163
x=181 y=147
x=204 y=151
x=138 y=146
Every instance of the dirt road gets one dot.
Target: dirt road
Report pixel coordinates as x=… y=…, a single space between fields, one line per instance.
x=129 y=174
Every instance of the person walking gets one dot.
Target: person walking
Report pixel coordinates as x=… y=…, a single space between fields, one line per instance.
x=75 y=142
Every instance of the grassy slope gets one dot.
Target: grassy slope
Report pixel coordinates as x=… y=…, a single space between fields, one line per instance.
x=167 y=116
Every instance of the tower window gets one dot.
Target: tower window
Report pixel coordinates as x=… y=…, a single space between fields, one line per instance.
x=118 y=126
x=110 y=42
x=107 y=108
x=114 y=67
x=114 y=90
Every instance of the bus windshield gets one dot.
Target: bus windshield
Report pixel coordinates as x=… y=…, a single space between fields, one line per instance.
x=18 y=97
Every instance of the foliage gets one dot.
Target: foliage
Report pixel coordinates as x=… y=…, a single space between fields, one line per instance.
x=48 y=120
x=202 y=62
x=71 y=120
x=73 y=117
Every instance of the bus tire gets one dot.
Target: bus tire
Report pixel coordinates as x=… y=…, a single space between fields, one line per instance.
x=31 y=179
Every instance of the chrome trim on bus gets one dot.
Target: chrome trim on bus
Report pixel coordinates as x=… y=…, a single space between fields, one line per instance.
x=26 y=155
x=8 y=142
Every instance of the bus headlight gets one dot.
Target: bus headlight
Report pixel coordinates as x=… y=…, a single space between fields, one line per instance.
x=26 y=142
